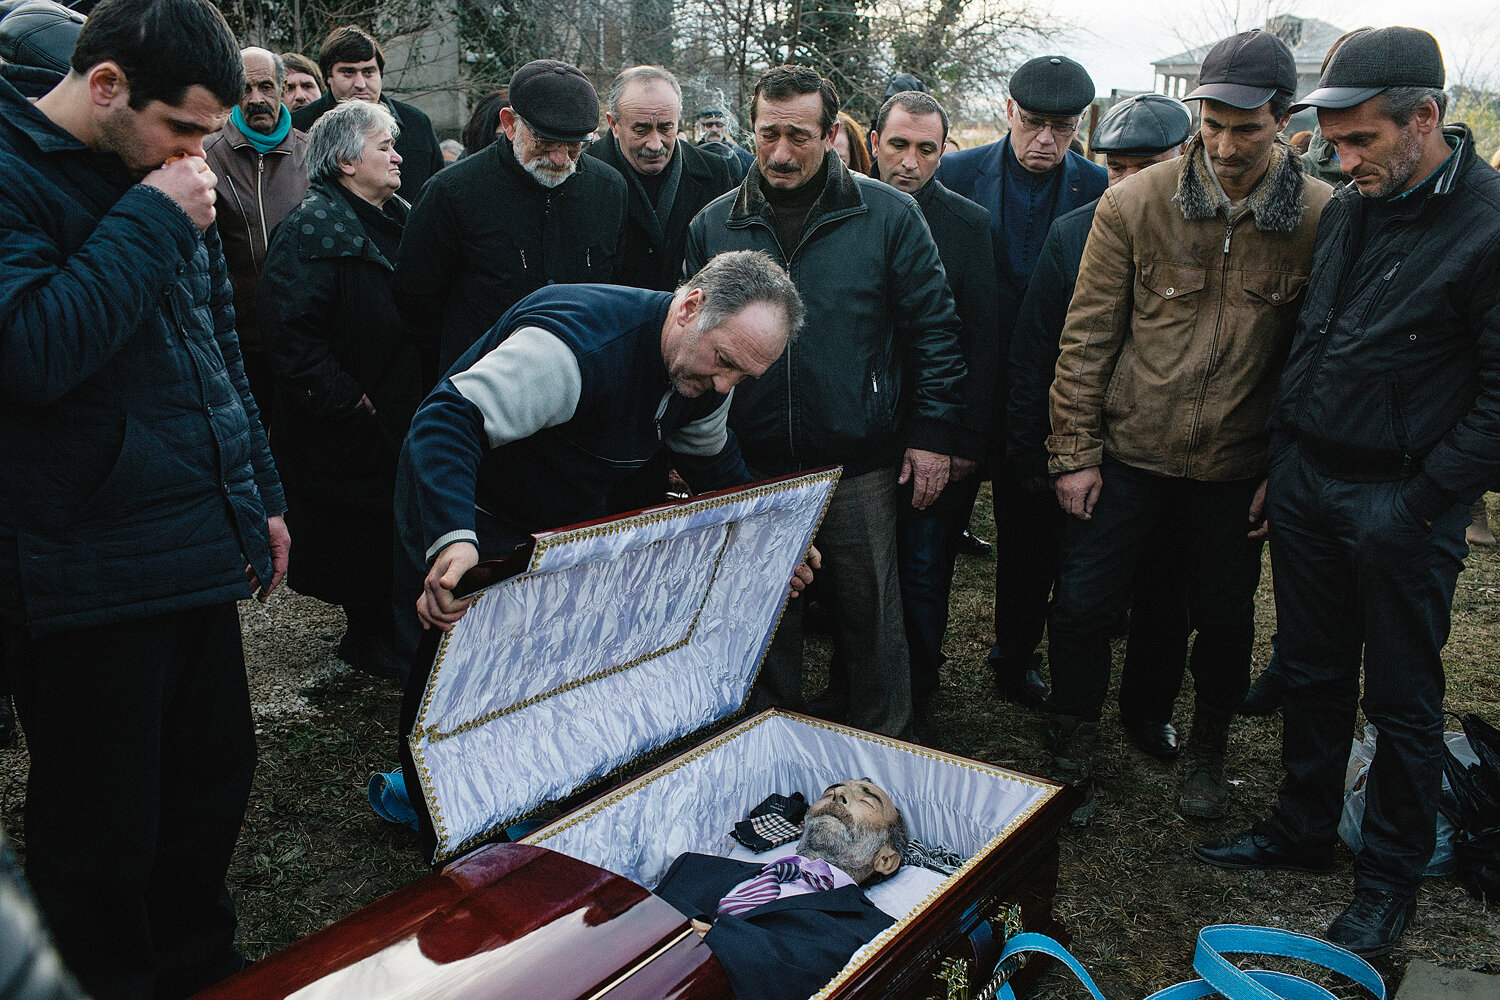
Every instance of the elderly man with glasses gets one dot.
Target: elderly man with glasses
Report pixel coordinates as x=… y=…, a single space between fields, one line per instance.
x=1026 y=180
x=521 y=214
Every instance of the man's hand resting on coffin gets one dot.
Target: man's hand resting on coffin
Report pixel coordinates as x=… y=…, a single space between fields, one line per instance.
x=437 y=607
x=803 y=574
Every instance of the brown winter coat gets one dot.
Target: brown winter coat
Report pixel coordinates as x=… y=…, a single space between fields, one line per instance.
x=255 y=192
x=1182 y=319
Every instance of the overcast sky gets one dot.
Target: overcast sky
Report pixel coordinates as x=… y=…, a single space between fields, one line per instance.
x=1118 y=46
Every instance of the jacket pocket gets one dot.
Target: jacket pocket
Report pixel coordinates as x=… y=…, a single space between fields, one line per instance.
x=1172 y=281
x=1274 y=288
x=144 y=473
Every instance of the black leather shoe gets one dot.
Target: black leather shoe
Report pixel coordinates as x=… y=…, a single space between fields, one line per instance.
x=1265 y=695
x=1372 y=923
x=7 y=722
x=968 y=545
x=1159 y=739
x=1023 y=687
x=1251 y=850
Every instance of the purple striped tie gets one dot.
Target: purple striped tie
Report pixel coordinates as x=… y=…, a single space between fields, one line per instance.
x=766 y=886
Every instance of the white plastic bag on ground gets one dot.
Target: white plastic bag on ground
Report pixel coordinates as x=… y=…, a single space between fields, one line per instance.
x=1360 y=755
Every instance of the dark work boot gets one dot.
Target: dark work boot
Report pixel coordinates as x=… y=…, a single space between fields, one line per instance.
x=1478 y=532
x=1205 y=793
x=1071 y=740
x=1020 y=680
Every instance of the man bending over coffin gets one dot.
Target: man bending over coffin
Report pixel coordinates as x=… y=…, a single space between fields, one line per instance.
x=575 y=388
x=782 y=930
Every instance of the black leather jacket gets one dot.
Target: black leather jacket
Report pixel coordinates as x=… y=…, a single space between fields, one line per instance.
x=877 y=367
x=1394 y=371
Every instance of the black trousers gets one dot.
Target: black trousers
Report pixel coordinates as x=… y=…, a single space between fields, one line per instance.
x=1028 y=537
x=1360 y=579
x=926 y=549
x=1205 y=526
x=142 y=752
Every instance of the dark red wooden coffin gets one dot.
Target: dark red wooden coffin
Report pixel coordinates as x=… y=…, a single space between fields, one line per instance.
x=611 y=640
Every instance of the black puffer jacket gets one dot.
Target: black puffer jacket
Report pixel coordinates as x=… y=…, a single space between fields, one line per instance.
x=877 y=366
x=484 y=235
x=1395 y=368
x=134 y=476
x=333 y=335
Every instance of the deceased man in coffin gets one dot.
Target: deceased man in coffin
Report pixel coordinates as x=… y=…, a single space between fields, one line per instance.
x=784 y=928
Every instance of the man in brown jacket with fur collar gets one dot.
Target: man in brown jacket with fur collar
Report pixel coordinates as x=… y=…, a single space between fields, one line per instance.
x=1186 y=300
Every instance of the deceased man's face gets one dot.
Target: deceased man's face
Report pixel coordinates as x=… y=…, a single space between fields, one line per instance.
x=857 y=802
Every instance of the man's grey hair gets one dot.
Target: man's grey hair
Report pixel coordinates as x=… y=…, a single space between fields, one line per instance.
x=278 y=64
x=915 y=103
x=641 y=74
x=452 y=146
x=339 y=137
x=897 y=835
x=738 y=278
x=1402 y=103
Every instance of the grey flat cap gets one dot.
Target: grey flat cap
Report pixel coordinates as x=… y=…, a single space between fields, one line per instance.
x=1143 y=125
x=1371 y=61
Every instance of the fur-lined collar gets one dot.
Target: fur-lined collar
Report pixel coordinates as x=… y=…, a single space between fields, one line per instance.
x=1276 y=202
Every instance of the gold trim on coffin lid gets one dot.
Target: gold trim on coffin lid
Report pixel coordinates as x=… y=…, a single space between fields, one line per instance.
x=543 y=544
x=873 y=946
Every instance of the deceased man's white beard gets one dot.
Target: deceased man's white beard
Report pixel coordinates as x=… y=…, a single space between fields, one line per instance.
x=847 y=847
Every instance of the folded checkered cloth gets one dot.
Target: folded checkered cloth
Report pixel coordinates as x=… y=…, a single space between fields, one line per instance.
x=776 y=821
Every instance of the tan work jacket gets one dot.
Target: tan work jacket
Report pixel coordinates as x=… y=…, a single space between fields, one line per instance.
x=1182 y=319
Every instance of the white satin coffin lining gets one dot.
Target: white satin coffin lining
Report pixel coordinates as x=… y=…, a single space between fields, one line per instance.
x=618 y=638
x=642 y=828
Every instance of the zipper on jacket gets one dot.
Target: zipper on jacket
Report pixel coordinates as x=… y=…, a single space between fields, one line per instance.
x=260 y=206
x=523 y=257
x=1213 y=345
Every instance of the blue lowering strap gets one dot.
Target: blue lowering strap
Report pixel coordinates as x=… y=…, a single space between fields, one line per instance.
x=1221 y=976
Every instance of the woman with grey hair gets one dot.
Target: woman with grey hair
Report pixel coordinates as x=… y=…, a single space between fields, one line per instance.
x=346 y=372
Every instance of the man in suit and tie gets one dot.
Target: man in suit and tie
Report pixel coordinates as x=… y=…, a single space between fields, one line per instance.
x=1026 y=180
x=784 y=929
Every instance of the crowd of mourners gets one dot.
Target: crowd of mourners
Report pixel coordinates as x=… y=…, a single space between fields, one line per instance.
x=256 y=321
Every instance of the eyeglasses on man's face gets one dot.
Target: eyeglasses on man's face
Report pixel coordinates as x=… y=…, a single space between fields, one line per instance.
x=546 y=146
x=1061 y=129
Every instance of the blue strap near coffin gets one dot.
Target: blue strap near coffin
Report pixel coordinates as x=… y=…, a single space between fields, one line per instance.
x=1222 y=977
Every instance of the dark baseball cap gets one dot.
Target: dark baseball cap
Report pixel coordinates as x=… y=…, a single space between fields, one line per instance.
x=556 y=100
x=1372 y=60
x=1143 y=125
x=1246 y=71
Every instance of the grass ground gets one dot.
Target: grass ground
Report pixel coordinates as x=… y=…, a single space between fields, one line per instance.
x=1130 y=892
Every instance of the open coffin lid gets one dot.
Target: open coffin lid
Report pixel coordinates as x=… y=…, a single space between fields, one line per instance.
x=616 y=638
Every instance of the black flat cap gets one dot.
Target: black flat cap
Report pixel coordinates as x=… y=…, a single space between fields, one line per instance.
x=712 y=111
x=1143 y=125
x=1372 y=60
x=902 y=82
x=1052 y=85
x=556 y=100
x=1246 y=70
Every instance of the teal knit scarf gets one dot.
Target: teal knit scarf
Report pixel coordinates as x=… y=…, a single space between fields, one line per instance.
x=263 y=143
